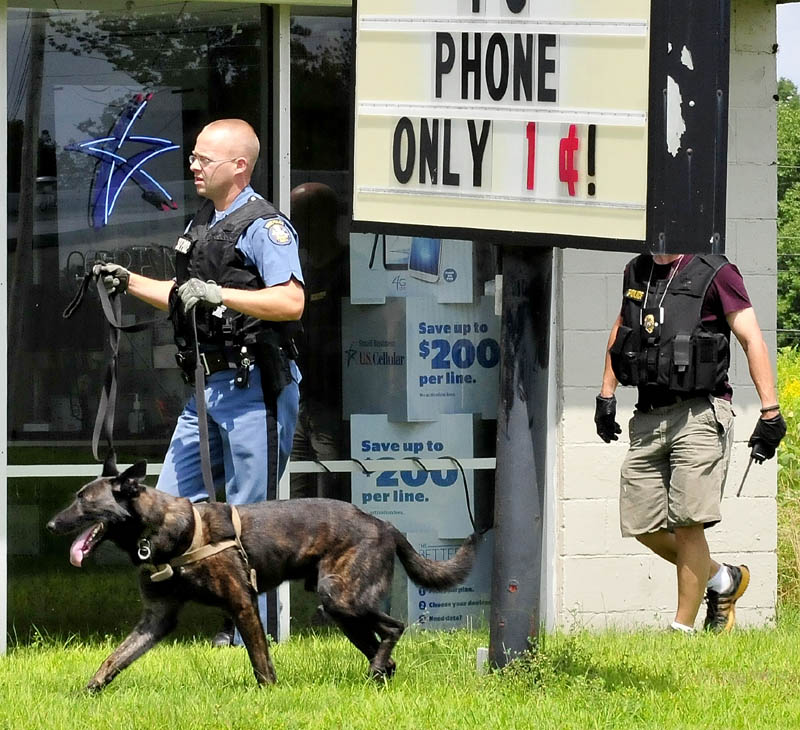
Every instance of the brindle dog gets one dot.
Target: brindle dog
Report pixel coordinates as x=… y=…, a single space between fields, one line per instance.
x=342 y=553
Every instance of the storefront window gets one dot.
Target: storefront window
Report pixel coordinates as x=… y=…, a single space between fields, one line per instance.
x=110 y=124
x=320 y=129
x=103 y=109
x=400 y=354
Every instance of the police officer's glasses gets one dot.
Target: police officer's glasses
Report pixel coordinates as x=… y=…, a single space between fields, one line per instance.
x=205 y=161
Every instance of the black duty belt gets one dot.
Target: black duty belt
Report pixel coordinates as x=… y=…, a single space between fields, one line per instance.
x=216 y=360
x=213 y=361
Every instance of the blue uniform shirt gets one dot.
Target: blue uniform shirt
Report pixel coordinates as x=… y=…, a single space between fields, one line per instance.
x=266 y=245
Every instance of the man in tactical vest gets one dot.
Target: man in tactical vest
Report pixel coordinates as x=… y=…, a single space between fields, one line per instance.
x=239 y=286
x=671 y=341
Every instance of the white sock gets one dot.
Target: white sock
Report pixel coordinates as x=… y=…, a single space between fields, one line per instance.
x=722 y=581
x=675 y=626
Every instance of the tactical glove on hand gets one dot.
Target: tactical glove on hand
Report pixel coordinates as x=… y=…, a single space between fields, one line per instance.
x=767 y=435
x=115 y=278
x=194 y=291
x=605 y=414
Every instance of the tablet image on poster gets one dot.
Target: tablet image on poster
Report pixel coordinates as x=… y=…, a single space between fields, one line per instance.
x=385 y=265
x=424 y=259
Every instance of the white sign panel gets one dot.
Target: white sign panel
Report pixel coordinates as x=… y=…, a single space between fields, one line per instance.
x=415 y=500
x=453 y=358
x=466 y=605
x=503 y=115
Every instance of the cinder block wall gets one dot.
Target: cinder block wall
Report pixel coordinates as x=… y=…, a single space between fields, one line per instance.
x=603 y=580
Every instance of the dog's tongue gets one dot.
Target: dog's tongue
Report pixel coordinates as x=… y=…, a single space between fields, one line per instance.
x=77 y=552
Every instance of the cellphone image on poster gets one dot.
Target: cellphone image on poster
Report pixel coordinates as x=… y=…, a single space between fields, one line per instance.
x=423 y=260
x=394 y=256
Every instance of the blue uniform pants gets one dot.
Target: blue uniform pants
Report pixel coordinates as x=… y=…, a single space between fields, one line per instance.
x=240 y=431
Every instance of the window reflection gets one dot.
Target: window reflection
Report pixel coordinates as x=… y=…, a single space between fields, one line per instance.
x=320 y=73
x=103 y=108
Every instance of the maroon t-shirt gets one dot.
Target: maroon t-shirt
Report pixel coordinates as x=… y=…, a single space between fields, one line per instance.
x=725 y=295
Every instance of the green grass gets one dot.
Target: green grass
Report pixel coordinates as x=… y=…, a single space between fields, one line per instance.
x=582 y=680
x=789 y=479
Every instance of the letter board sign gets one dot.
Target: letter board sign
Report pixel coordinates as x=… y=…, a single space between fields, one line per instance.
x=531 y=121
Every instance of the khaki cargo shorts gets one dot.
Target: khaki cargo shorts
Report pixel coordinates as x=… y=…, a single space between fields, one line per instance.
x=675 y=469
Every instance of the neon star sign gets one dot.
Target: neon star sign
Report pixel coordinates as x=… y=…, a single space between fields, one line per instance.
x=114 y=169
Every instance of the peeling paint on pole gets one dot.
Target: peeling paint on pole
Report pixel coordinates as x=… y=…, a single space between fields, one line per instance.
x=675 y=124
x=688 y=126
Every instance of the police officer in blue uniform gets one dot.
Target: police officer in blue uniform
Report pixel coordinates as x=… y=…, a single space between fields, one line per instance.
x=239 y=286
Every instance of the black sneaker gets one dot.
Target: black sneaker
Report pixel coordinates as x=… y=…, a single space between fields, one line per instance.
x=224 y=636
x=721 y=614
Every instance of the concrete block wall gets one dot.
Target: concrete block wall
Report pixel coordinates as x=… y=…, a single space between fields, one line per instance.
x=602 y=579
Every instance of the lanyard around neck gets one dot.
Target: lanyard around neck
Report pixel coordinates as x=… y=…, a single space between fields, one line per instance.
x=669 y=281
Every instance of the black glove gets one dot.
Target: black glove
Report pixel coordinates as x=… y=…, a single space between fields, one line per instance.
x=114 y=277
x=605 y=414
x=766 y=437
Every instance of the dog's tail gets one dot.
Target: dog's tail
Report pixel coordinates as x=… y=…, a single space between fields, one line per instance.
x=436 y=575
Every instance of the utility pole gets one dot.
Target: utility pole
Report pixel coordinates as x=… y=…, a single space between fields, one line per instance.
x=521 y=452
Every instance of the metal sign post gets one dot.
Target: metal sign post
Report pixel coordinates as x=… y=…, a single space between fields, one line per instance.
x=521 y=452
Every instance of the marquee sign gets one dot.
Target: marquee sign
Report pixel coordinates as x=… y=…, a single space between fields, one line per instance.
x=529 y=117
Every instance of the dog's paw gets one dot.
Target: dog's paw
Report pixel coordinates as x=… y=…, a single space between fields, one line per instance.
x=94 y=687
x=385 y=672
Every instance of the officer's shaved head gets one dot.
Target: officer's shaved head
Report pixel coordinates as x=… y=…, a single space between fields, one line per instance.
x=233 y=138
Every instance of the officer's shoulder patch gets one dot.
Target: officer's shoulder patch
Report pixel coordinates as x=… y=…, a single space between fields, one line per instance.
x=278 y=232
x=634 y=294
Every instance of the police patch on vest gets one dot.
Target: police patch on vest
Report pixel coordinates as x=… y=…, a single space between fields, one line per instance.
x=278 y=232
x=634 y=294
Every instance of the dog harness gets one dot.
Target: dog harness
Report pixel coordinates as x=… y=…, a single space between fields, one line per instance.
x=199 y=550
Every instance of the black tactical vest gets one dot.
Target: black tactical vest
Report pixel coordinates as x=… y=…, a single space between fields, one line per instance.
x=671 y=350
x=209 y=253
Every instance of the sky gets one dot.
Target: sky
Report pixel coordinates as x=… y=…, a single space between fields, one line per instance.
x=789 y=41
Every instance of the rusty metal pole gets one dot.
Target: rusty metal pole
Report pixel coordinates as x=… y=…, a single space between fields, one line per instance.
x=521 y=451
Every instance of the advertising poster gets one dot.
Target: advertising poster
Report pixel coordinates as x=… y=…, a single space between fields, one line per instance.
x=465 y=606
x=434 y=501
x=374 y=358
x=384 y=266
x=415 y=359
x=453 y=358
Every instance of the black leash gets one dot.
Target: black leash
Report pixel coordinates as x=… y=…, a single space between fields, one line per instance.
x=104 y=421
x=202 y=417
x=112 y=309
x=422 y=466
